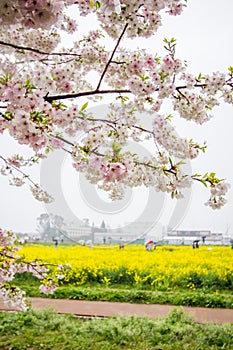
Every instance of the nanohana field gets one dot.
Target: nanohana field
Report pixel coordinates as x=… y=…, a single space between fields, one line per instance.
x=167 y=267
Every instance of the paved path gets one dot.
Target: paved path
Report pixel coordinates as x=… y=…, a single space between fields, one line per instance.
x=107 y=309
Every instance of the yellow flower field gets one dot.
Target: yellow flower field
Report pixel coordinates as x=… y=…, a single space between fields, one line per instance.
x=167 y=267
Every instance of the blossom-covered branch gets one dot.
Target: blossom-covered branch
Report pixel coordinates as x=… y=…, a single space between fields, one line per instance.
x=12 y=165
x=11 y=264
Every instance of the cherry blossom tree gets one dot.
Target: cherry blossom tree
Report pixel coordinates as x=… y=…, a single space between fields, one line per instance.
x=46 y=88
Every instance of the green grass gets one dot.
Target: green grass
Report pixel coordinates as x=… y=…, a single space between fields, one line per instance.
x=121 y=293
x=140 y=296
x=45 y=330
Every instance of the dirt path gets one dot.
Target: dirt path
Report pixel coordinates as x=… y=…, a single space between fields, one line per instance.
x=107 y=309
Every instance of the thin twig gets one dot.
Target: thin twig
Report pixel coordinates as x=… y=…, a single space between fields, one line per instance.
x=17 y=169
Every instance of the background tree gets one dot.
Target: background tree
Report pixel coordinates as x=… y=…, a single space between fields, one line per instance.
x=49 y=225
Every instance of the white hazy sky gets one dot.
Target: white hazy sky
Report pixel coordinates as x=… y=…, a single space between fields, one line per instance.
x=204 y=40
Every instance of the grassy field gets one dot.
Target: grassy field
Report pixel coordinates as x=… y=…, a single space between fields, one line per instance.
x=47 y=330
x=167 y=275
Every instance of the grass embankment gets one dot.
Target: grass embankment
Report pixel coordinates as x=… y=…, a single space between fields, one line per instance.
x=46 y=330
x=119 y=293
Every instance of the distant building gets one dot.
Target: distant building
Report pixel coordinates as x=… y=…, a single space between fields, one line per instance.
x=216 y=238
x=189 y=233
x=137 y=231
x=76 y=232
x=186 y=237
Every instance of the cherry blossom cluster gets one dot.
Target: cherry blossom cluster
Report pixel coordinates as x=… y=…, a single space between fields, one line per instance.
x=31 y=14
x=165 y=135
x=114 y=170
x=14 y=297
x=11 y=263
x=195 y=106
x=142 y=17
x=7 y=238
x=153 y=79
x=217 y=198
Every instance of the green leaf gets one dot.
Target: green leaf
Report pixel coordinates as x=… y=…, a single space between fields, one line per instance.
x=84 y=106
x=204 y=182
x=122 y=98
x=162 y=76
x=98 y=4
x=181 y=163
x=28 y=85
x=200 y=76
x=5 y=78
x=169 y=117
x=139 y=31
x=143 y=77
x=48 y=149
x=196 y=175
x=116 y=147
x=54 y=77
x=212 y=175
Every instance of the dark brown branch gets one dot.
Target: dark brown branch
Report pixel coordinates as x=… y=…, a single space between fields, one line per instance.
x=142 y=129
x=111 y=57
x=26 y=48
x=86 y=93
x=195 y=85
x=119 y=62
x=183 y=95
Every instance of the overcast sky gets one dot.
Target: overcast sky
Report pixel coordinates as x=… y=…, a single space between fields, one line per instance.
x=204 y=40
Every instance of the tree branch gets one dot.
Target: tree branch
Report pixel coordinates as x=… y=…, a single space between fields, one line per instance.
x=185 y=86
x=85 y=93
x=26 y=48
x=111 y=57
x=18 y=170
